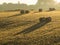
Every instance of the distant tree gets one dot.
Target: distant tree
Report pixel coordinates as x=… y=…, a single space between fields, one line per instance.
x=10 y=3
x=18 y=2
x=4 y=3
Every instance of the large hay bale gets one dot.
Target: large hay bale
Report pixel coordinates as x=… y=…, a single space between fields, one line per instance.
x=40 y=10
x=48 y=19
x=26 y=11
x=52 y=9
x=43 y=19
x=22 y=11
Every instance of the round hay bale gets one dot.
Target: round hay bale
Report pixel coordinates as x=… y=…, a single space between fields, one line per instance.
x=48 y=19
x=26 y=11
x=40 y=10
x=22 y=11
x=42 y=19
x=52 y=9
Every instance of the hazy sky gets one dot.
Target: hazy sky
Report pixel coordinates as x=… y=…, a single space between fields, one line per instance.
x=29 y=2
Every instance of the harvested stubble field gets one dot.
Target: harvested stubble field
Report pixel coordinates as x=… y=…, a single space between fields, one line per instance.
x=10 y=24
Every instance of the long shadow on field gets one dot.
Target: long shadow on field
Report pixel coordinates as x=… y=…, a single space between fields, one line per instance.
x=34 y=27
x=11 y=24
x=14 y=15
x=11 y=16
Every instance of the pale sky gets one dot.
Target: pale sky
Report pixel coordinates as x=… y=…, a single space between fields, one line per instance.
x=57 y=1
x=28 y=2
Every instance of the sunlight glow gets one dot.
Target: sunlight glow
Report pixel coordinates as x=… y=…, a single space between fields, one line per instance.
x=29 y=2
x=57 y=1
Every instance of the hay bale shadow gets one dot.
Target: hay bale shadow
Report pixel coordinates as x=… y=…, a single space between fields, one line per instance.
x=43 y=21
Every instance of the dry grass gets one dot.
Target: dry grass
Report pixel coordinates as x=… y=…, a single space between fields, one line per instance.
x=9 y=13
x=49 y=34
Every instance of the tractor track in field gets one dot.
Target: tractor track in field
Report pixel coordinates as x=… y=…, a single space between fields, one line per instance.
x=12 y=24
